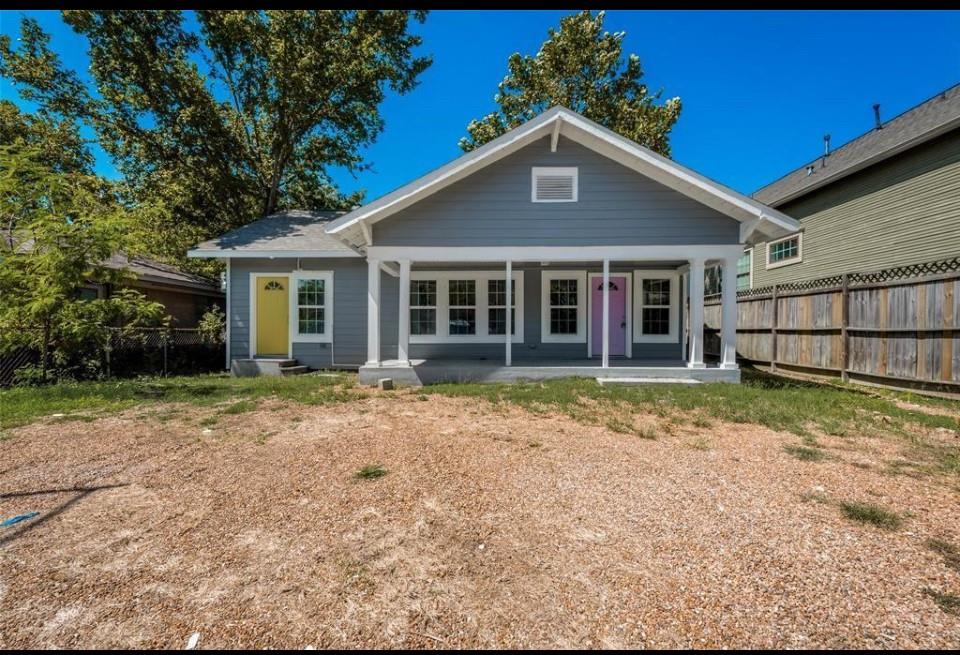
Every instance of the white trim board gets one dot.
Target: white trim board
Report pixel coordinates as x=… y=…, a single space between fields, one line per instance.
x=553 y=254
x=271 y=254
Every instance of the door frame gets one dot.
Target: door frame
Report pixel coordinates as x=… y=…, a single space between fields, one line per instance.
x=628 y=346
x=252 y=317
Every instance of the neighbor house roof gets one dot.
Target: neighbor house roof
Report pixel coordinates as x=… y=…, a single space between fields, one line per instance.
x=354 y=228
x=291 y=233
x=149 y=270
x=926 y=121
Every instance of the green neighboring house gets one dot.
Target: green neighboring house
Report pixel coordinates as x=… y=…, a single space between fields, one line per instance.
x=889 y=198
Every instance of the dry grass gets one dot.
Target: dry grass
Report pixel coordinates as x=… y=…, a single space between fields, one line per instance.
x=495 y=527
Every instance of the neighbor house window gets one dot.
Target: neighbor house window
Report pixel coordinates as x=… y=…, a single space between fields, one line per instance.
x=656 y=305
x=745 y=270
x=423 y=307
x=312 y=308
x=785 y=251
x=564 y=306
x=464 y=307
x=497 y=307
x=554 y=184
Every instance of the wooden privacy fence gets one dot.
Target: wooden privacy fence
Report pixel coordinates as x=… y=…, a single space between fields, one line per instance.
x=898 y=325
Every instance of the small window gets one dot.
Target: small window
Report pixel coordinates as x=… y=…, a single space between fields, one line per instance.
x=785 y=251
x=554 y=184
x=423 y=307
x=463 y=307
x=311 y=306
x=655 y=307
x=745 y=270
x=497 y=304
x=563 y=306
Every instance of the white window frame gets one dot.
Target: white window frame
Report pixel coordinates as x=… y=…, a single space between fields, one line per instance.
x=628 y=345
x=786 y=262
x=513 y=299
x=327 y=335
x=572 y=171
x=656 y=274
x=434 y=307
x=480 y=278
x=582 y=306
x=749 y=253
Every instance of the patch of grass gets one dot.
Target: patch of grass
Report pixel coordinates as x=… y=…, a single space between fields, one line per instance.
x=805 y=453
x=239 y=407
x=949 y=603
x=534 y=444
x=626 y=426
x=208 y=421
x=370 y=472
x=23 y=405
x=701 y=422
x=872 y=514
x=422 y=396
x=949 y=552
x=700 y=443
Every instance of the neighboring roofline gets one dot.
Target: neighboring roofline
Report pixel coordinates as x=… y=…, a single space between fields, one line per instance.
x=920 y=139
x=269 y=254
x=683 y=180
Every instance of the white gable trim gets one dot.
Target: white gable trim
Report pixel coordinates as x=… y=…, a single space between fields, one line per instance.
x=771 y=222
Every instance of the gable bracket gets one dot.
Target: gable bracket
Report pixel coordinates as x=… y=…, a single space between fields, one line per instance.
x=747 y=228
x=555 y=137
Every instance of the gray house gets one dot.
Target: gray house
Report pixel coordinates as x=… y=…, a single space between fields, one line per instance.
x=603 y=241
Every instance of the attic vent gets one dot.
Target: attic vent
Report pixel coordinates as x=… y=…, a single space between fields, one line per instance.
x=554 y=184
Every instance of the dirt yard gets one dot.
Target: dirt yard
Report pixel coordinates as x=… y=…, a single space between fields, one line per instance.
x=492 y=527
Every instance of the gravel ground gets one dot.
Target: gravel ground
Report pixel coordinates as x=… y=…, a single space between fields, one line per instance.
x=493 y=527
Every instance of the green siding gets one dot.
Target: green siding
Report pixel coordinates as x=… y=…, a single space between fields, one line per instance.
x=905 y=210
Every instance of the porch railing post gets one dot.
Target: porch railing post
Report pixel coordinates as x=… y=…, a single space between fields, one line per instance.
x=508 y=348
x=606 y=313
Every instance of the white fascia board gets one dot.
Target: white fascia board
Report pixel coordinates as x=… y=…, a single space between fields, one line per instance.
x=270 y=254
x=455 y=254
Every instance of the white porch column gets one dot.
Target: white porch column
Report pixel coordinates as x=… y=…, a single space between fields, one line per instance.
x=606 y=314
x=696 y=314
x=508 y=348
x=684 y=277
x=373 y=312
x=728 y=318
x=403 y=334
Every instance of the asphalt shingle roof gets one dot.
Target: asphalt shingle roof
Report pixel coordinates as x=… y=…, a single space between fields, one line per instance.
x=289 y=230
x=939 y=113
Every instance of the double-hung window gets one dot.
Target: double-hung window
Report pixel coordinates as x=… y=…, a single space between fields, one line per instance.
x=564 y=307
x=656 y=306
x=464 y=307
x=782 y=252
x=312 y=307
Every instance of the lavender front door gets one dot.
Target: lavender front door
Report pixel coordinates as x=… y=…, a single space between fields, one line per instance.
x=618 y=315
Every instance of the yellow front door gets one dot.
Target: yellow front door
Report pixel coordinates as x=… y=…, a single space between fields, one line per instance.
x=272 y=315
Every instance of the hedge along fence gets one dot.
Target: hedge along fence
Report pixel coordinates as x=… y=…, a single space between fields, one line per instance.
x=899 y=326
x=143 y=351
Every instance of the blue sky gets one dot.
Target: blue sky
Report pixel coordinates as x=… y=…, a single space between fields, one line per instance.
x=760 y=89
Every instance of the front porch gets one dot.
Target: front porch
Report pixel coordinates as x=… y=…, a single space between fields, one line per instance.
x=592 y=311
x=419 y=372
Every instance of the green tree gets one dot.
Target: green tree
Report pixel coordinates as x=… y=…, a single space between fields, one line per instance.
x=216 y=121
x=582 y=68
x=58 y=229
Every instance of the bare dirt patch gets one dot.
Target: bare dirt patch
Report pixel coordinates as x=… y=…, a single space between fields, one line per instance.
x=491 y=527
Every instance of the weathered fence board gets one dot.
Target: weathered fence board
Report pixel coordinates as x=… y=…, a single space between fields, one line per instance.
x=901 y=324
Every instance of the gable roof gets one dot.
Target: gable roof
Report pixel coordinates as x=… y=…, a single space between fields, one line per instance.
x=353 y=227
x=917 y=125
x=150 y=270
x=291 y=233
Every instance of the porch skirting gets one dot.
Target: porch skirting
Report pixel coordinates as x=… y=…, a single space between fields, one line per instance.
x=422 y=372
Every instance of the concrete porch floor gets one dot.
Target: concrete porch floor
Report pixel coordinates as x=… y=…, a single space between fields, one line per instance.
x=433 y=371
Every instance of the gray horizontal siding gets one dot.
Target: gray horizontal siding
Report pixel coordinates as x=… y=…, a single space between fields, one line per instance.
x=616 y=206
x=349 y=347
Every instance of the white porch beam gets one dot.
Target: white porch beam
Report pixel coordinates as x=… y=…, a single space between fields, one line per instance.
x=373 y=312
x=728 y=321
x=508 y=348
x=553 y=254
x=606 y=314
x=696 y=314
x=555 y=136
x=403 y=335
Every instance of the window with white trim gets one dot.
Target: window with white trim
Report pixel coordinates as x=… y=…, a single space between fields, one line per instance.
x=656 y=306
x=563 y=306
x=312 y=306
x=782 y=252
x=554 y=184
x=497 y=307
x=745 y=270
x=463 y=307
x=462 y=310
x=423 y=307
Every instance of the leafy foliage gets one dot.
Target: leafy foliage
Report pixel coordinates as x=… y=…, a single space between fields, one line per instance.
x=582 y=68
x=220 y=117
x=213 y=326
x=58 y=230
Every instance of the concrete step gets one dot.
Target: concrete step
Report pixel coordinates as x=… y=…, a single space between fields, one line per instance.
x=294 y=370
x=262 y=366
x=634 y=381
